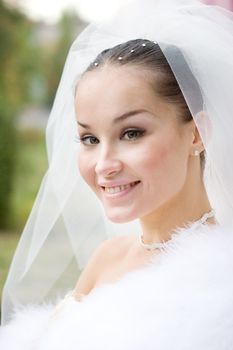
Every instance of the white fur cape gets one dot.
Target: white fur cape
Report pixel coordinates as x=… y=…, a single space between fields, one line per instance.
x=183 y=300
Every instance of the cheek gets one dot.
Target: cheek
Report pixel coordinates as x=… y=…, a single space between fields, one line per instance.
x=157 y=165
x=85 y=166
x=160 y=155
x=166 y=164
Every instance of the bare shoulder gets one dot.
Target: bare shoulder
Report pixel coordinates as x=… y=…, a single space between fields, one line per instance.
x=106 y=254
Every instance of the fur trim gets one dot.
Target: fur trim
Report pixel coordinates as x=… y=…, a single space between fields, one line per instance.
x=183 y=299
x=26 y=328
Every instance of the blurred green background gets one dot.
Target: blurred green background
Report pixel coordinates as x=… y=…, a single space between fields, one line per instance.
x=32 y=56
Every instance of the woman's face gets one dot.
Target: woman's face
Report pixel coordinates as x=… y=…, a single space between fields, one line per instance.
x=134 y=150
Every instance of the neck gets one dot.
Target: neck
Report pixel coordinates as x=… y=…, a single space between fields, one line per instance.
x=183 y=208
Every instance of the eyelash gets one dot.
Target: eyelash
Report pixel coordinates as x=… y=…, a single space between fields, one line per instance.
x=138 y=132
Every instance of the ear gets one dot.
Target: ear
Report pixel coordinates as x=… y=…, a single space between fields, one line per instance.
x=196 y=143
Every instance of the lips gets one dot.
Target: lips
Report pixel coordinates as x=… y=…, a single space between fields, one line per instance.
x=119 y=188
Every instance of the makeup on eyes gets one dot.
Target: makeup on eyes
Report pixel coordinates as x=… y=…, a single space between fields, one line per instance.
x=130 y=127
x=128 y=134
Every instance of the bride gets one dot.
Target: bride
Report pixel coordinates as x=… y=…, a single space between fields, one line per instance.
x=148 y=95
x=140 y=153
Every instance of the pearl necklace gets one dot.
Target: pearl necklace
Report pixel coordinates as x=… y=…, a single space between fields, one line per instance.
x=160 y=245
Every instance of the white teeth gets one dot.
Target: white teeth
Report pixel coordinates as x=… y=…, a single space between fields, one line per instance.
x=118 y=188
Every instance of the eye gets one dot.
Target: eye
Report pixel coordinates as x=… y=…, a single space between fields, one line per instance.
x=132 y=134
x=89 y=140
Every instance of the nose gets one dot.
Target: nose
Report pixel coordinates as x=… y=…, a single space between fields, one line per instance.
x=108 y=163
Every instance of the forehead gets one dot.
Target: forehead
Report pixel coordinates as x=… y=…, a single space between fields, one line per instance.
x=114 y=89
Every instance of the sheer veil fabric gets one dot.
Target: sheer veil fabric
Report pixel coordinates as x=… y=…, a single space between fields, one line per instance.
x=67 y=222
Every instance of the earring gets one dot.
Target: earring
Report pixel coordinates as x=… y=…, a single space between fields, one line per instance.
x=196 y=152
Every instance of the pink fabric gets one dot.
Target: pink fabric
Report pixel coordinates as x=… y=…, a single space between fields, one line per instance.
x=228 y=4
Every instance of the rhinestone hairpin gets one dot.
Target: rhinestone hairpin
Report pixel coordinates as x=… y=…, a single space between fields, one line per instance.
x=120 y=58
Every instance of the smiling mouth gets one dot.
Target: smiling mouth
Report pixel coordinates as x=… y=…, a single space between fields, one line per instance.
x=117 y=189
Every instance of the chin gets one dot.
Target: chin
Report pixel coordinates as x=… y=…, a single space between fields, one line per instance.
x=118 y=217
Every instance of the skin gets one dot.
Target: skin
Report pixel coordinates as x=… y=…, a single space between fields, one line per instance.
x=158 y=152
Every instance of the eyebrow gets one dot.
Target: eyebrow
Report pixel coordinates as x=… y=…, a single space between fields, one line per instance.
x=120 y=118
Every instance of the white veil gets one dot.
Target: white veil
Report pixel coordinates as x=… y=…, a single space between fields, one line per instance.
x=67 y=222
